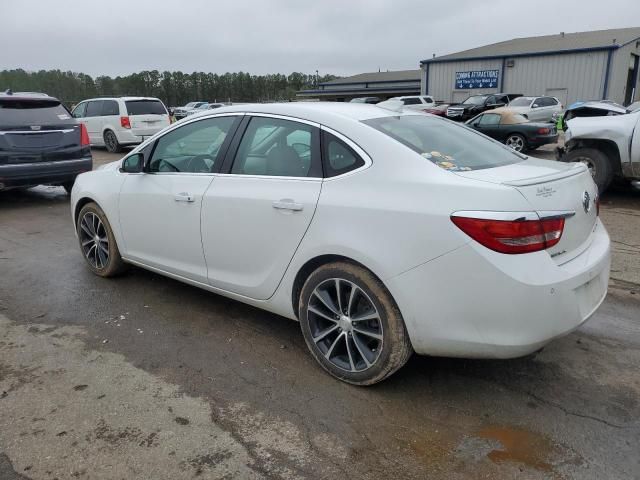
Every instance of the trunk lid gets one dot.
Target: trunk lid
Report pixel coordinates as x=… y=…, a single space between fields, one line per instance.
x=552 y=188
x=147 y=116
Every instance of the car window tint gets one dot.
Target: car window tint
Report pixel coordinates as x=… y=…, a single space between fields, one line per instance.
x=94 y=109
x=145 y=107
x=78 y=112
x=31 y=112
x=412 y=101
x=491 y=100
x=448 y=145
x=110 y=107
x=428 y=99
x=338 y=157
x=276 y=147
x=192 y=148
x=490 y=119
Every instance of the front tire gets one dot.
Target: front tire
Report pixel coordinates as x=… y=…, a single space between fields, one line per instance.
x=516 y=142
x=97 y=242
x=111 y=142
x=352 y=325
x=597 y=163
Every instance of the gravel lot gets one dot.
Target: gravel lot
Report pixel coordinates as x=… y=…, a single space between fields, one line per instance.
x=145 y=377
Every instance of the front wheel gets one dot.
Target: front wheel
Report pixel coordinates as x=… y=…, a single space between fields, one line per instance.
x=597 y=163
x=111 y=142
x=352 y=325
x=97 y=242
x=517 y=142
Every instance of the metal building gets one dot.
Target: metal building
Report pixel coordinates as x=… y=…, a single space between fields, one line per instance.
x=376 y=84
x=571 y=66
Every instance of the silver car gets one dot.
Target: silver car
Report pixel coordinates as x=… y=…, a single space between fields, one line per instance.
x=537 y=109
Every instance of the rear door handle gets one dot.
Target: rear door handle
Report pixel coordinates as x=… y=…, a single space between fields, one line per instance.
x=184 y=197
x=287 y=204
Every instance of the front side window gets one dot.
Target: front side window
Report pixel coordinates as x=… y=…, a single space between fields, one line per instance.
x=78 y=112
x=489 y=119
x=412 y=101
x=192 y=148
x=276 y=147
x=450 y=146
x=94 y=109
x=338 y=157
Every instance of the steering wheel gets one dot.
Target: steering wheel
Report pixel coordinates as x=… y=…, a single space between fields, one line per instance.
x=202 y=163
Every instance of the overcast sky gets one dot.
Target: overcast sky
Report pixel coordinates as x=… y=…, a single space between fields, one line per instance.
x=342 y=37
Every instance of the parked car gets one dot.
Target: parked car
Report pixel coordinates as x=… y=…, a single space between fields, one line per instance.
x=608 y=145
x=121 y=121
x=416 y=102
x=476 y=104
x=372 y=100
x=181 y=112
x=439 y=110
x=634 y=107
x=40 y=143
x=204 y=107
x=514 y=130
x=537 y=109
x=382 y=232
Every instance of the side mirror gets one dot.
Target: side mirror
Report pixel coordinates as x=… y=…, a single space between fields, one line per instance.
x=133 y=163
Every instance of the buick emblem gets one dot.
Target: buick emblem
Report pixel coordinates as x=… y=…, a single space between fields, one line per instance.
x=586 y=202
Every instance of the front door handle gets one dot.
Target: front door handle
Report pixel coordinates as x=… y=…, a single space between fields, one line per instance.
x=287 y=204
x=184 y=197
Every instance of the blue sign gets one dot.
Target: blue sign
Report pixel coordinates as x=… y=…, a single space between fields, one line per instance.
x=477 y=79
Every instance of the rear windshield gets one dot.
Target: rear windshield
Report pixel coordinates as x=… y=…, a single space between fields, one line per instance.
x=32 y=112
x=145 y=107
x=450 y=146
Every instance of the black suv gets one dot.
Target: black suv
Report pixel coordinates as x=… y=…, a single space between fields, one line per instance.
x=476 y=104
x=40 y=143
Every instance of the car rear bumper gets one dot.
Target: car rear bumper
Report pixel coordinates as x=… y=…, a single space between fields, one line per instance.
x=542 y=140
x=128 y=137
x=477 y=303
x=42 y=173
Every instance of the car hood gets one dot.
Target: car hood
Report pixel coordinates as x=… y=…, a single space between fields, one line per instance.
x=609 y=127
x=110 y=166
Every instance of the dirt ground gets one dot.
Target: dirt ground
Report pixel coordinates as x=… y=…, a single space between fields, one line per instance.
x=144 y=377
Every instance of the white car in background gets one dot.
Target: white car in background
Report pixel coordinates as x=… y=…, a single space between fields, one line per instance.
x=181 y=112
x=204 y=107
x=121 y=121
x=416 y=102
x=537 y=109
x=382 y=232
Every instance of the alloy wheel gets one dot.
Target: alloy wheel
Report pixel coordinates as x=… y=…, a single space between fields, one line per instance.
x=345 y=325
x=94 y=240
x=516 y=142
x=110 y=140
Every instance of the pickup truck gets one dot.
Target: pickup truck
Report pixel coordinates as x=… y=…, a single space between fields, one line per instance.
x=609 y=146
x=476 y=104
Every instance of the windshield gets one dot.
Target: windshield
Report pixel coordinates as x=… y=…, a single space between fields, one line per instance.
x=32 y=112
x=145 y=107
x=475 y=100
x=521 y=102
x=450 y=146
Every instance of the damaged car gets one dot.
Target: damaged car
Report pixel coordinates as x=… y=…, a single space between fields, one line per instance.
x=609 y=146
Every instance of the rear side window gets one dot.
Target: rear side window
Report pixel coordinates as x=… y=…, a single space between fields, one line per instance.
x=412 y=101
x=110 y=107
x=338 y=157
x=489 y=119
x=145 y=107
x=448 y=145
x=31 y=112
x=94 y=109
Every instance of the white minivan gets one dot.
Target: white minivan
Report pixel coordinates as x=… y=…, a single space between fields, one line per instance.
x=120 y=121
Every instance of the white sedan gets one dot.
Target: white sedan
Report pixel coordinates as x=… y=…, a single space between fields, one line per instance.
x=383 y=233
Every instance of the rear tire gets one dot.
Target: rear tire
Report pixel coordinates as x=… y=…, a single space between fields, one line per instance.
x=516 y=142
x=111 y=142
x=97 y=242
x=598 y=164
x=367 y=340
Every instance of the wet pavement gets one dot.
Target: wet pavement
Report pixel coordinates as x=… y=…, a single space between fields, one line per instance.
x=145 y=377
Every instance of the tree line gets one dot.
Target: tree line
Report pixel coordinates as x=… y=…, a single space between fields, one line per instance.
x=173 y=88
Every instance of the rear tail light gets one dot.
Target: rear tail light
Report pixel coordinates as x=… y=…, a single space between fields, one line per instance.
x=84 y=136
x=512 y=236
x=543 y=131
x=124 y=122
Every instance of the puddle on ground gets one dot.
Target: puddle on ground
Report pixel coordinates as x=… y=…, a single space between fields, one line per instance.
x=528 y=448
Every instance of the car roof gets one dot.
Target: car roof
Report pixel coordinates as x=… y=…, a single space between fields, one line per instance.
x=120 y=98
x=27 y=96
x=319 y=112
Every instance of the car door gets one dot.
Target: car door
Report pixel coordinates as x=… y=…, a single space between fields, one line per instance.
x=93 y=121
x=489 y=124
x=255 y=215
x=538 y=110
x=160 y=208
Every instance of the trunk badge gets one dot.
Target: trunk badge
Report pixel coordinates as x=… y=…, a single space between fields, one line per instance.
x=586 y=202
